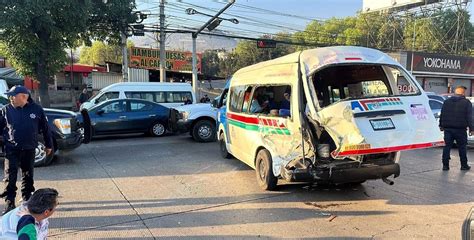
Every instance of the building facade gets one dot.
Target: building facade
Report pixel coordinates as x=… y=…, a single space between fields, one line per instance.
x=439 y=73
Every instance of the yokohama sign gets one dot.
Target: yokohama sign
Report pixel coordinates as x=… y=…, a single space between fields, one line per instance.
x=427 y=62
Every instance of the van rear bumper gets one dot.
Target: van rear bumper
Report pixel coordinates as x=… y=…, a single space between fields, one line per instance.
x=346 y=175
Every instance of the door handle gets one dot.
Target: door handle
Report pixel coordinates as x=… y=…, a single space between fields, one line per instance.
x=152 y=115
x=123 y=117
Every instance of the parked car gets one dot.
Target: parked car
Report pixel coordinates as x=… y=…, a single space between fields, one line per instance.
x=432 y=95
x=470 y=139
x=435 y=106
x=197 y=119
x=166 y=94
x=69 y=131
x=121 y=116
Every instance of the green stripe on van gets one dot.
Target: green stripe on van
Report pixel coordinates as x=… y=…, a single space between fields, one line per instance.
x=257 y=128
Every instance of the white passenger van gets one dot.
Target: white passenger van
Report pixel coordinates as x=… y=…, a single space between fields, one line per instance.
x=167 y=94
x=336 y=114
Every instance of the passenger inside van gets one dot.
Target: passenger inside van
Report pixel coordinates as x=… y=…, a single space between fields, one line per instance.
x=285 y=105
x=259 y=101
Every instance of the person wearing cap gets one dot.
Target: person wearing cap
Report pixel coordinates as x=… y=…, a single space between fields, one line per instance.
x=455 y=118
x=20 y=122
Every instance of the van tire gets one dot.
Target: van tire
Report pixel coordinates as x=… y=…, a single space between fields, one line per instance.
x=204 y=131
x=264 y=170
x=158 y=129
x=223 y=147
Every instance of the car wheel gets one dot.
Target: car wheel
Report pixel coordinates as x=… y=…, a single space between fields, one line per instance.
x=204 y=131
x=223 y=147
x=41 y=158
x=264 y=169
x=158 y=129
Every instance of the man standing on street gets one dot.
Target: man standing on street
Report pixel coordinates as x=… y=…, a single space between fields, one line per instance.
x=455 y=118
x=83 y=97
x=20 y=122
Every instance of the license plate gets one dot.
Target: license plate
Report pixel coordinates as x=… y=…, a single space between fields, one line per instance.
x=382 y=124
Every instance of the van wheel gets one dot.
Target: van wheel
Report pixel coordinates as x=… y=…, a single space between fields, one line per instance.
x=158 y=129
x=264 y=169
x=41 y=158
x=223 y=147
x=204 y=131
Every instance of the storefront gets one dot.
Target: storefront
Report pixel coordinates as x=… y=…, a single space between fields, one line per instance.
x=439 y=73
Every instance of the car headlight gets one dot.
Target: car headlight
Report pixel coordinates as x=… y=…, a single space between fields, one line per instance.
x=183 y=115
x=63 y=124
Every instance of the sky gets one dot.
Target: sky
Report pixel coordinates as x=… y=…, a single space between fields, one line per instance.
x=256 y=17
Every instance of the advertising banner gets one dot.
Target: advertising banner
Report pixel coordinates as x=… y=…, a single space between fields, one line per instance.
x=149 y=58
x=429 y=62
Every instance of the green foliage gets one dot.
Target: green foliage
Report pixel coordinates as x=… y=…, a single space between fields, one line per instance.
x=35 y=33
x=210 y=62
x=107 y=20
x=101 y=52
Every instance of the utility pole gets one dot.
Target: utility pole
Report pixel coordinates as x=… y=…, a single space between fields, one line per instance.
x=124 y=56
x=194 y=36
x=162 y=42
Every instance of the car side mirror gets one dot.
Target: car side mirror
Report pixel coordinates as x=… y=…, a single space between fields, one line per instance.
x=100 y=112
x=214 y=103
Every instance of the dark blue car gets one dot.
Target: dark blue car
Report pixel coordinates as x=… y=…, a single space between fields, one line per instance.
x=120 y=116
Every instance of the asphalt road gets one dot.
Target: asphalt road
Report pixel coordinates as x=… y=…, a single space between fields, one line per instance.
x=171 y=187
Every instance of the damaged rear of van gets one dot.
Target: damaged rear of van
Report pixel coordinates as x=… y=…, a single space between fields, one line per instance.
x=337 y=114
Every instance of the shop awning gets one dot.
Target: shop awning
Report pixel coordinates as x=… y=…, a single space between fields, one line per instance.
x=11 y=76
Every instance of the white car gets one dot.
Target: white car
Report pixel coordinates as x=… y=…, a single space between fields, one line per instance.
x=197 y=119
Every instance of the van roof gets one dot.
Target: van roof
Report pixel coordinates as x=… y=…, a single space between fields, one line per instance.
x=146 y=84
x=320 y=57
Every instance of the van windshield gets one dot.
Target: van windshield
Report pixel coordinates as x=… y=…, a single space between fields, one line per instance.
x=106 y=96
x=346 y=82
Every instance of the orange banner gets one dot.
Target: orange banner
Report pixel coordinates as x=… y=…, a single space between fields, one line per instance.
x=149 y=58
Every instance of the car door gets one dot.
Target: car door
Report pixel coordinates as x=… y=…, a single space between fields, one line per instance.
x=140 y=115
x=110 y=118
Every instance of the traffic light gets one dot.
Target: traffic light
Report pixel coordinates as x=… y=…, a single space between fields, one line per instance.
x=266 y=43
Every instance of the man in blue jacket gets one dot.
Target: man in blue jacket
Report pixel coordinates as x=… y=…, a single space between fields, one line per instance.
x=454 y=120
x=20 y=122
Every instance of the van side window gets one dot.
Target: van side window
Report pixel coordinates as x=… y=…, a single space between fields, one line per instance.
x=274 y=101
x=108 y=96
x=160 y=97
x=140 y=95
x=173 y=97
x=236 y=98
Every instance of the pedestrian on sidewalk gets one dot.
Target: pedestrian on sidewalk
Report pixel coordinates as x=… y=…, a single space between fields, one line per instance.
x=205 y=99
x=83 y=97
x=20 y=122
x=30 y=221
x=455 y=118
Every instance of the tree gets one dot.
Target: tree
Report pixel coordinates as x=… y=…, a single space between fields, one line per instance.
x=101 y=52
x=210 y=63
x=36 y=33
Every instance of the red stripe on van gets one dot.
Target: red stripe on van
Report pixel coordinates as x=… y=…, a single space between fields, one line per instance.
x=389 y=149
x=252 y=120
x=353 y=58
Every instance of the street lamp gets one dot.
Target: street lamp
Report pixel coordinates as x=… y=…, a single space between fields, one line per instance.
x=211 y=25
